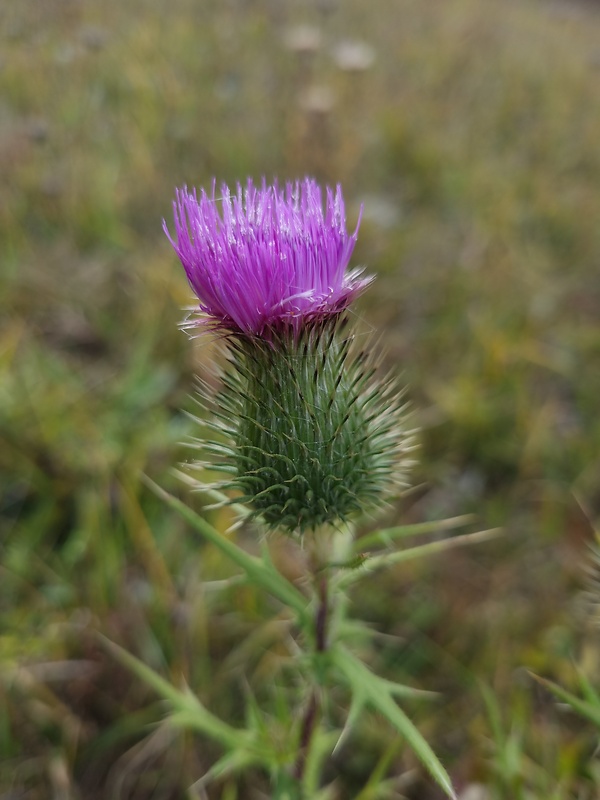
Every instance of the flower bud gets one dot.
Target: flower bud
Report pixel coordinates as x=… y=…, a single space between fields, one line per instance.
x=305 y=432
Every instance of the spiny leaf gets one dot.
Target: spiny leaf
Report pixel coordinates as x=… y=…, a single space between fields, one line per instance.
x=258 y=572
x=357 y=706
x=377 y=694
x=188 y=711
x=229 y=764
x=386 y=536
x=390 y=559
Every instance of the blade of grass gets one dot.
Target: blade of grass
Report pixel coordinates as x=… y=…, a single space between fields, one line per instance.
x=581 y=707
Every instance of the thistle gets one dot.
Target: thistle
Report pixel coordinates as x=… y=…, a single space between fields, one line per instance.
x=305 y=431
x=309 y=436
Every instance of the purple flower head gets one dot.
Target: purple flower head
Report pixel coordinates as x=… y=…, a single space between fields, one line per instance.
x=266 y=257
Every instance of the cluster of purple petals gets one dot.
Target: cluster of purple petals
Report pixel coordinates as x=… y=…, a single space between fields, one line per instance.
x=266 y=256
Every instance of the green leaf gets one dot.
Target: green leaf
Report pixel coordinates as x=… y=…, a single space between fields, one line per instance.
x=401 y=690
x=188 y=711
x=357 y=706
x=261 y=574
x=494 y=715
x=385 y=537
x=431 y=548
x=378 y=696
x=590 y=694
x=326 y=793
x=376 y=781
x=230 y=763
x=320 y=748
x=220 y=498
x=583 y=708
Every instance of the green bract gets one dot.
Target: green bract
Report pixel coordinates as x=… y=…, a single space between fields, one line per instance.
x=305 y=431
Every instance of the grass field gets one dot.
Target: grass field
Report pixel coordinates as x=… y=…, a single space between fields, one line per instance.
x=469 y=131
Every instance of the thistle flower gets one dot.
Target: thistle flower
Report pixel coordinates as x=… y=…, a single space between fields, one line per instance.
x=266 y=258
x=304 y=430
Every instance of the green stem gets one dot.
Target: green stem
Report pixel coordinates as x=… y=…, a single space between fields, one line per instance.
x=319 y=642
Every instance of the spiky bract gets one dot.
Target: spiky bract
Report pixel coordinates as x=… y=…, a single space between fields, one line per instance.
x=307 y=435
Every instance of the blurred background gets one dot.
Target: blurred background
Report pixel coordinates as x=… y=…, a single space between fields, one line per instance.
x=469 y=130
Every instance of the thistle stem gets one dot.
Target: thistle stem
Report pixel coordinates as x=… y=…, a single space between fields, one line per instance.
x=314 y=705
x=322 y=613
x=308 y=726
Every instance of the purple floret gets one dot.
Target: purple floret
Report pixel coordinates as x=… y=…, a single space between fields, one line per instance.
x=266 y=257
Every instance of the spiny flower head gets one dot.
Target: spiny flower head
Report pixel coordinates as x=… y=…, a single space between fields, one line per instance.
x=266 y=258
